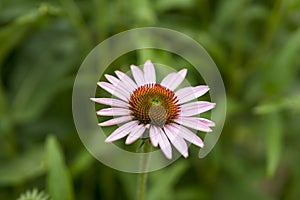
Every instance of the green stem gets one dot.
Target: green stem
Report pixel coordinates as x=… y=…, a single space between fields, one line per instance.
x=143 y=175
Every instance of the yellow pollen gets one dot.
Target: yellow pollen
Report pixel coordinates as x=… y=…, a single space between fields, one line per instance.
x=154 y=104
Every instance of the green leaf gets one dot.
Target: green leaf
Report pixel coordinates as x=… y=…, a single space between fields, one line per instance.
x=290 y=102
x=12 y=34
x=143 y=14
x=274 y=133
x=171 y=4
x=282 y=70
x=58 y=180
x=162 y=182
x=27 y=166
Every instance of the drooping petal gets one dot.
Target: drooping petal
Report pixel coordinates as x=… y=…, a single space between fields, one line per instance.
x=177 y=140
x=173 y=80
x=112 y=90
x=165 y=145
x=189 y=93
x=193 y=123
x=114 y=112
x=206 y=122
x=196 y=108
x=122 y=131
x=149 y=72
x=167 y=80
x=118 y=85
x=114 y=121
x=153 y=133
x=138 y=75
x=127 y=81
x=188 y=135
x=135 y=134
x=113 y=80
x=111 y=102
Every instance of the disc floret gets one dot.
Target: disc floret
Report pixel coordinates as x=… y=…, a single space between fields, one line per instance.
x=154 y=104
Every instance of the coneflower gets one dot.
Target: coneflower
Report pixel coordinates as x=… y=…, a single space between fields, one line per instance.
x=166 y=112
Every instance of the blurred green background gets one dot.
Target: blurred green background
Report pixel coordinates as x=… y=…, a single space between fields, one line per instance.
x=255 y=44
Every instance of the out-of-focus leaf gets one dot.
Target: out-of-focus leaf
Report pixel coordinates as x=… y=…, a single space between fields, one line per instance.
x=289 y=103
x=34 y=76
x=171 y=4
x=129 y=182
x=77 y=20
x=35 y=101
x=5 y=118
x=59 y=180
x=274 y=131
x=227 y=11
x=282 y=69
x=212 y=46
x=34 y=194
x=162 y=182
x=267 y=108
x=191 y=193
x=23 y=168
x=12 y=34
x=82 y=161
x=255 y=12
x=143 y=13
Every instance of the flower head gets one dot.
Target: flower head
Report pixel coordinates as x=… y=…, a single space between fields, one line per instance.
x=33 y=195
x=142 y=105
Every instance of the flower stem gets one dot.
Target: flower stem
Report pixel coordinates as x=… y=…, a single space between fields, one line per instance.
x=142 y=179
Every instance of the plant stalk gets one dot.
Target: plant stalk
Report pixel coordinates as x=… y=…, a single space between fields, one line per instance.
x=142 y=178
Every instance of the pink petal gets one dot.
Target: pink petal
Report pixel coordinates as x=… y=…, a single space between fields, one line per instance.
x=118 y=84
x=111 y=102
x=173 y=80
x=138 y=75
x=153 y=133
x=122 y=131
x=206 y=122
x=166 y=81
x=193 y=123
x=165 y=145
x=113 y=112
x=188 y=135
x=114 y=121
x=112 y=89
x=113 y=80
x=175 y=138
x=135 y=134
x=149 y=72
x=127 y=81
x=195 y=108
x=189 y=93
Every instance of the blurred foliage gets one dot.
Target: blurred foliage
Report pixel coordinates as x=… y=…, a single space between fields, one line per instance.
x=255 y=44
x=33 y=195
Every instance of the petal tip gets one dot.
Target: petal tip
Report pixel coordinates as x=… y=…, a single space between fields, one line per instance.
x=185 y=154
x=183 y=71
x=209 y=130
x=100 y=84
x=108 y=140
x=133 y=67
x=104 y=124
x=168 y=156
x=128 y=142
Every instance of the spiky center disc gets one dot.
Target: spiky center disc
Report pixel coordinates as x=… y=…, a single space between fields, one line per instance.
x=154 y=104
